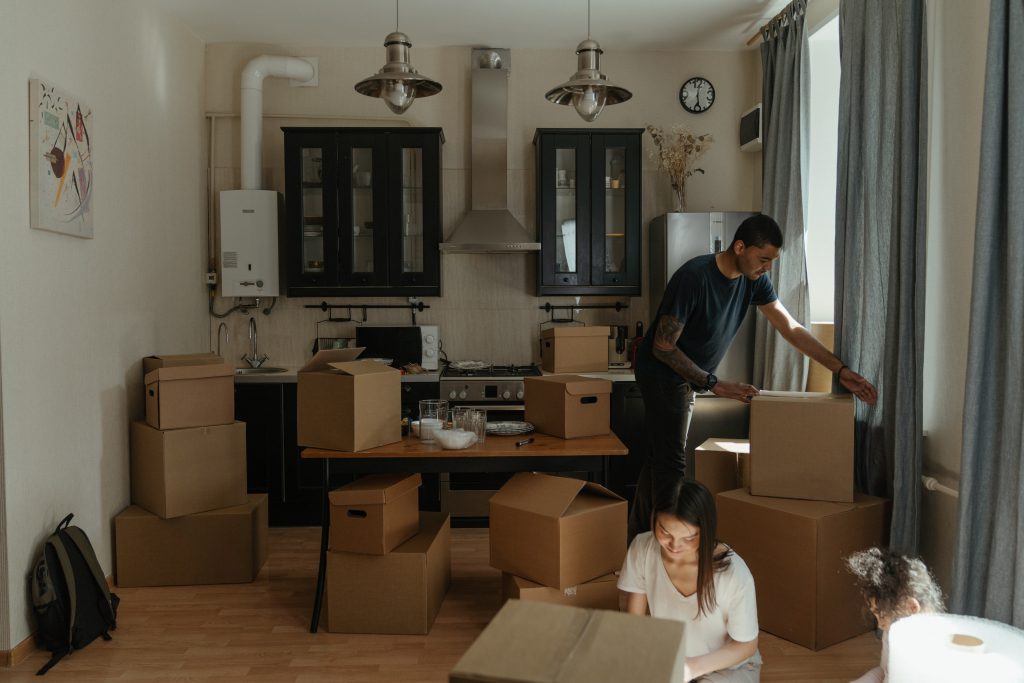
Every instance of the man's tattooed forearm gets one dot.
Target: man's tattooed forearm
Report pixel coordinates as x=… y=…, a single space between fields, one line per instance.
x=666 y=351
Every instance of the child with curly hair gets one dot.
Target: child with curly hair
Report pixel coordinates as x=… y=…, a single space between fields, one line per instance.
x=894 y=586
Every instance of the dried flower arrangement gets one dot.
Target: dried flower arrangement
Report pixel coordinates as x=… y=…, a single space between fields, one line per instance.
x=677 y=153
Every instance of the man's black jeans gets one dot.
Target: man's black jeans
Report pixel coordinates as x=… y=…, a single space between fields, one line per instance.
x=668 y=406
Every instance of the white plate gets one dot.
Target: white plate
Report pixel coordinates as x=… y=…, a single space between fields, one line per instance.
x=468 y=365
x=509 y=428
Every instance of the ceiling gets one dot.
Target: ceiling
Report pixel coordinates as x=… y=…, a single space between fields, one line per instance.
x=538 y=24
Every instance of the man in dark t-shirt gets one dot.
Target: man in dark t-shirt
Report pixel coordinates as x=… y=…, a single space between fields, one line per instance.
x=700 y=313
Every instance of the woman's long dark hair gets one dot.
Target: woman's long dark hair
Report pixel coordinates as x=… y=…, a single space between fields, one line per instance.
x=691 y=502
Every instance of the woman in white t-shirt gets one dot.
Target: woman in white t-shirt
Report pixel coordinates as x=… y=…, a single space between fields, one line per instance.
x=679 y=571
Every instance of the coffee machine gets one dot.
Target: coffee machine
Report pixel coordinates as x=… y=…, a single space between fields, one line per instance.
x=618 y=347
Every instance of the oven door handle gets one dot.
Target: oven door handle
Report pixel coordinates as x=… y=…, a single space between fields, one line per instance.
x=492 y=407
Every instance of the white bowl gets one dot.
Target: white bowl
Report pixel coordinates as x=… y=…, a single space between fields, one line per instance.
x=454 y=439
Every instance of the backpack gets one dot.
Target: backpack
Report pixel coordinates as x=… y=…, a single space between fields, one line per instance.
x=69 y=593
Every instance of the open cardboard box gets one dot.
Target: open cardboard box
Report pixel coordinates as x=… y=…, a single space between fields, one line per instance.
x=599 y=593
x=722 y=464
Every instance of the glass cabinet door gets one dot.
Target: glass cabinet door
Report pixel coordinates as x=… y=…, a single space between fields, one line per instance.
x=412 y=210
x=362 y=219
x=363 y=189
x=415 y=208
x=616 y=205
x=312 y=210
x=613 y=229
x=564 y=182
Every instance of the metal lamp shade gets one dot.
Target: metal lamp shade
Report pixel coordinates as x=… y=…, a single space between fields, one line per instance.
x=588 y=90
x=397 y=83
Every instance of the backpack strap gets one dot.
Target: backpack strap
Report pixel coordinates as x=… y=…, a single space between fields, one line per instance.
x=85 y=549
x=57 y=544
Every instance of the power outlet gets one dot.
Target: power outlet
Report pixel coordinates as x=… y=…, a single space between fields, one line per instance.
x=211 y=278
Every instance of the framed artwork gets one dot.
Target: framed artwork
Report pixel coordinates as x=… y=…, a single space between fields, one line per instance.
x=60 y=161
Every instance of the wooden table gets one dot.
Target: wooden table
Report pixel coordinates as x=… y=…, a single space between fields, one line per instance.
x=496 y=454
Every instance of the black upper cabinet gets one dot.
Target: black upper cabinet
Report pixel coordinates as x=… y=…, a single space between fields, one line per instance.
x=363 y=210
x=588 y=210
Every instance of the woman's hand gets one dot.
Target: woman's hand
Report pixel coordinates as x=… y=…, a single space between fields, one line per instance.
x=738 y=391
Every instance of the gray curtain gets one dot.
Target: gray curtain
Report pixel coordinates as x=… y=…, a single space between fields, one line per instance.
x=880 y=243
x=988 y=574
x=777 y=365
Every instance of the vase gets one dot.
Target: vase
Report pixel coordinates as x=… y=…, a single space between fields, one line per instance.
x=680 y=198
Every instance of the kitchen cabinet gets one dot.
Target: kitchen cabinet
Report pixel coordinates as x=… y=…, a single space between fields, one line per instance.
x=588 y=210
x=363 y=212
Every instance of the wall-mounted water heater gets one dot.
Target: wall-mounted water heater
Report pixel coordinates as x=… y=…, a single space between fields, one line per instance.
x=249 y=222
x=750 y=130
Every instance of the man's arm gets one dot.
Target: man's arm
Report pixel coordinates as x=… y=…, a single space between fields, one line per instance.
x=666 y=334
x=804 y=342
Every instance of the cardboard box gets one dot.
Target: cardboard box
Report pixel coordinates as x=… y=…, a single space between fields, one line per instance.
x=531 y=642
x=802 y=446
x=228 y=545
x=601 y=593
x=722 y=464
x=375 y=514
x=819 y=378
x=568 y=406
x=183 y=396
x=557 y=531
x=795 y=550
x=348 y=405
x=151 y=363
x=400 y=592
x=574 y=349
x=179 y=472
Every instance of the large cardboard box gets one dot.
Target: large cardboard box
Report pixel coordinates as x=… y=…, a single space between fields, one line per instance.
x=179 y=472
x=574 y=349
x=795 y=550
x=531 y=642
x=400 y=592
x=181 y=396
x=557 y=531
x=348 y=405
x=600 y=593
x=228 y=545
x=722 y=464
x=375 y=514
x=568 y=406
x=150 y=363
x=802 y=446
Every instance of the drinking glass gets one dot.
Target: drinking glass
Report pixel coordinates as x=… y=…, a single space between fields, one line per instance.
x=475 y=420
x=433 y=413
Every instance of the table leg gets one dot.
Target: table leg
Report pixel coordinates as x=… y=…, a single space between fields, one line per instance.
x=325 y=525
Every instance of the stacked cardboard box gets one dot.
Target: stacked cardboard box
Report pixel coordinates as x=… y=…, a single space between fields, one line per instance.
x=557 y=539
x=568 y=406
x=192 y=521
x=800 y=517
x=389 y=566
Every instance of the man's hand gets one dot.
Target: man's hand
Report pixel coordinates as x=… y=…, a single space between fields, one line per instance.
x=738 y=391
x=858 y=386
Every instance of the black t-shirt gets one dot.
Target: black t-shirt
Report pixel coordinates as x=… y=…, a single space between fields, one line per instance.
x=711 y=308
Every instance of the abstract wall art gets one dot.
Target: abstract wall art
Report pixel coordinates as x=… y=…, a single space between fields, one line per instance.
x=60 y=161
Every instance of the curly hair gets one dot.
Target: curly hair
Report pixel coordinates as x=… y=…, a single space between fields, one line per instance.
x=889 y=579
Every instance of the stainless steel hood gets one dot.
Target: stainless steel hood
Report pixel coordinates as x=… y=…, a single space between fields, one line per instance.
x=489 y=228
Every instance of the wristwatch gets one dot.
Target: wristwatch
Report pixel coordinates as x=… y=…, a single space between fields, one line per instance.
x=711 y=382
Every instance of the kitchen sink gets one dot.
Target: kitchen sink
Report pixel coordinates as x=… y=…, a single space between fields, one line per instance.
x=259 y=371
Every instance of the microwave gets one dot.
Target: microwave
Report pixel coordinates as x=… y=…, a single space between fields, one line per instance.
x=403 y=343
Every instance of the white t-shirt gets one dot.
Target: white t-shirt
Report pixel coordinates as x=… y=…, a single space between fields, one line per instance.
x=735 y=612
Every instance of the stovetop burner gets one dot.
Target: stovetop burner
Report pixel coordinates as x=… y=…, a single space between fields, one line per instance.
x=492 y=371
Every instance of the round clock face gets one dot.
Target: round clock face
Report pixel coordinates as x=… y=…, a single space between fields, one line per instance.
x=697 y=95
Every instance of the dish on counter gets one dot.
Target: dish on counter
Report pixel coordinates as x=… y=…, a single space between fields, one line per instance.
x=468 y=365
x=509 y=428
x=454 y=439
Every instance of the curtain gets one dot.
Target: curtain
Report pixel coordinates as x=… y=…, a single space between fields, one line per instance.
x=777 y=365
x=988 y=575
x=880 y=243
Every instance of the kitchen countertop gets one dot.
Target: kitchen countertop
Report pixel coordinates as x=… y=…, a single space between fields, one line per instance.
x=290 y=376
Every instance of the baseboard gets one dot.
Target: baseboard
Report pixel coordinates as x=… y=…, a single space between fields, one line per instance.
x=21 y=651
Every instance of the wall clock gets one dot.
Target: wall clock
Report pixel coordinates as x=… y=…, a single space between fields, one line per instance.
x=697 y=95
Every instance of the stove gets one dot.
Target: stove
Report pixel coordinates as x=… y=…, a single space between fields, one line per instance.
x=482 y=383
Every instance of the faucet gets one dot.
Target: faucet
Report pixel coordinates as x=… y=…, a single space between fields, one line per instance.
x=223 y=327
x=255 y=360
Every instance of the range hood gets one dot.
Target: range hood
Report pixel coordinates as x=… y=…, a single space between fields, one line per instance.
x=489 y=228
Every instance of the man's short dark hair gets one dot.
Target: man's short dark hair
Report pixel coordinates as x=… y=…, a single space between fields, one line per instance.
x=757 y=231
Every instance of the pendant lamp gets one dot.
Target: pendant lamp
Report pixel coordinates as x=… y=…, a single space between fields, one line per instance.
x=588 y=90
x=397 y=83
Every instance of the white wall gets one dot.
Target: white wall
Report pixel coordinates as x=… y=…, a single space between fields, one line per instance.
x=77 y=315
x=489 y=307
x=957 y=39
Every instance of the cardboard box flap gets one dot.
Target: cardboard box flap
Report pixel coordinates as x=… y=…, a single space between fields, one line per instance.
x=597 y=656
x=322 y=360
x=575 y=331
x=587 y=387
x=431 y=524
x=541 y=493
x=730 y=445
x=810 y=509
x=179 y=372
x=361 y=367
x=375 y=489
x=596 y=489
x=803 y=396
x=150 y=363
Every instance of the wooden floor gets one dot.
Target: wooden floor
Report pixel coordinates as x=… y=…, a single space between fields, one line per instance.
x=258 y=632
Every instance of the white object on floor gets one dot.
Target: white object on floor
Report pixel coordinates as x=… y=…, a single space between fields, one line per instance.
x=948 y=648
